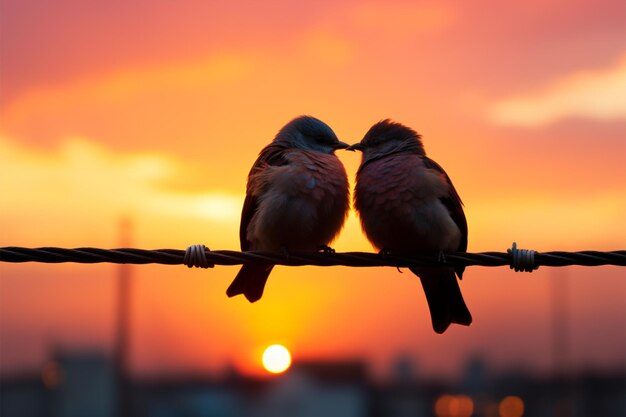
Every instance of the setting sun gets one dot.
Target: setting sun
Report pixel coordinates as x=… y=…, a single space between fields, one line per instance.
x=276 y=359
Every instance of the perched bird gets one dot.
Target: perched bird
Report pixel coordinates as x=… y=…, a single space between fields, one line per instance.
x=408 y=205
x=297 y=199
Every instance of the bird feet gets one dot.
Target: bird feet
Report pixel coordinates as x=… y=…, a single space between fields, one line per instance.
x=326 y=249
x=285 y=252
x=441 y=257
x=385 y=253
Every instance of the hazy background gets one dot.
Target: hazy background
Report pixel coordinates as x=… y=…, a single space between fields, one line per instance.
x=154 y=111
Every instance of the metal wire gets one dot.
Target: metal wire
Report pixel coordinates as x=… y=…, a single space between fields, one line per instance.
x=353 y=259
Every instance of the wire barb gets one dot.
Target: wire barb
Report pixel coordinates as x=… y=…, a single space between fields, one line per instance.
x=523 y=261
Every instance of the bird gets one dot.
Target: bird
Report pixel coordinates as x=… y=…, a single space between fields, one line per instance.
x=297 y=199
x=407 y=205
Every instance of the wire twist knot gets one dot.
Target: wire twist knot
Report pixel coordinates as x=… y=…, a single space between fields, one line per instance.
x=522 y=259
x=195 y=257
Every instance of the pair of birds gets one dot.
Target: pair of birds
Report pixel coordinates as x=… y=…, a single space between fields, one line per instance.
x=297 y=199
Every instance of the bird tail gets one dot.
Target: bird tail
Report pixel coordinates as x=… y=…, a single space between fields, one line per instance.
x=444 y=297
x=250 y=281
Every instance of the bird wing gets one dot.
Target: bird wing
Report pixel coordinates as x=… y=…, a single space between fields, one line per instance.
x=272 y=155
x=249 y=207
x=454 y=205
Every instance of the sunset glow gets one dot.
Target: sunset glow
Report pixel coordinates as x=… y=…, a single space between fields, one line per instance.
x=155 y=112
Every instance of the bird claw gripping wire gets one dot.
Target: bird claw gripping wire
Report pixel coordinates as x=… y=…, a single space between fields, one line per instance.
x=326 y=249
x=385 y=254
x=441 y=257
x=522 y=259
x=195 y=256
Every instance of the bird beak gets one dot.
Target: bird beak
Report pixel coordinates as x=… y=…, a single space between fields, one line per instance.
x=340 y=145
x=355 y=147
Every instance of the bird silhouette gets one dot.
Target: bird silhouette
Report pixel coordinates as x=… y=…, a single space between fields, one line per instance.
x=408 y=205
x=297 y=199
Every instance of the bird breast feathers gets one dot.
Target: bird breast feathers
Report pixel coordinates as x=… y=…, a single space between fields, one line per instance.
x=312 y=174
x=401 y=178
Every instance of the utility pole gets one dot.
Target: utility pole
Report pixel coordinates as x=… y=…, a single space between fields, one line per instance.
x=122 y=326
x=560 y=300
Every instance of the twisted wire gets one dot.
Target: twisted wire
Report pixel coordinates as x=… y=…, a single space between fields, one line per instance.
x=352 y=259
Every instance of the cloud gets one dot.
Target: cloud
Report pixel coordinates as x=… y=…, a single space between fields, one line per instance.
x=79 y=192
x=113 y=88
x=599 y=95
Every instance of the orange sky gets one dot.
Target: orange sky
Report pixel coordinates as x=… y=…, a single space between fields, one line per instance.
x=157 y=112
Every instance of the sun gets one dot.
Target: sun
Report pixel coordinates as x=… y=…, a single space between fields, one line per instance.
x=276 y=359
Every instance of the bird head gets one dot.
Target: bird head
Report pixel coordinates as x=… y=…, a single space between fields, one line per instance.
x=387 y=137
x=311 y=134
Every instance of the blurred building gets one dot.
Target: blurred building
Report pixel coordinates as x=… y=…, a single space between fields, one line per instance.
x=24 y=396
x=307 y=390
x=86 y=386
x=76 y=384
x=83 y=384
x=317 y=389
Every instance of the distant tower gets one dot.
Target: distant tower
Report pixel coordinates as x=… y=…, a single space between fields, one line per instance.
x=122 y=327
x=564 y=390
x=560 y=323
